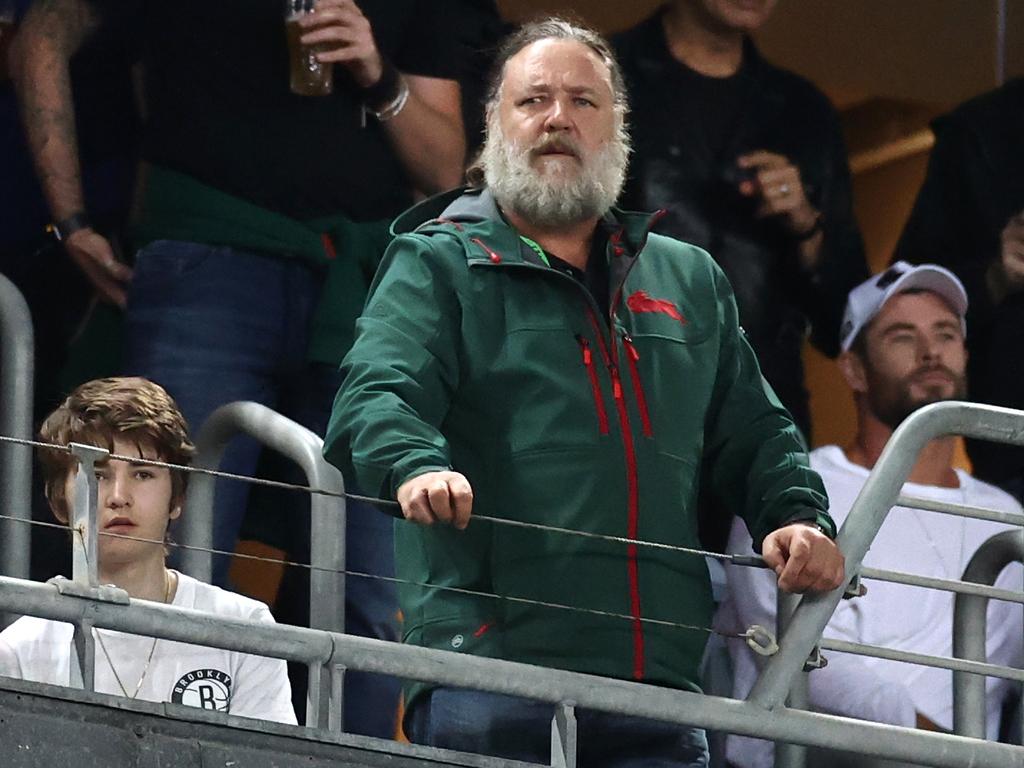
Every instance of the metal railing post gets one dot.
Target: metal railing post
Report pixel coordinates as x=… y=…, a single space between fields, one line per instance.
x=969 y=629
x=17 y=371
x=85 y=515
x=327 y=526
x=85 y=556
x=563 y=735
x=879 y=494
x=789 y=755
x=335 y=715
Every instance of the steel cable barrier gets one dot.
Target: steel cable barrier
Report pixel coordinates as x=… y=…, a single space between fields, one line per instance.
x=86 y=604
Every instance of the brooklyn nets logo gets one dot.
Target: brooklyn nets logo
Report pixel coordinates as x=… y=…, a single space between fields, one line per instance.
x=203 y=688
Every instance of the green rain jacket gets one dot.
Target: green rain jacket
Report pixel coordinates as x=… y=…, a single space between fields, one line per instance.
x=473 y=355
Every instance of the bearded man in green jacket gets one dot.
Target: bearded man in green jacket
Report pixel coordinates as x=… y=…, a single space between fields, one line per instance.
x=529 y=352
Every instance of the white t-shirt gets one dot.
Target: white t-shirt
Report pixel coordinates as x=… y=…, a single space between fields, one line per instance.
x=210 y=678
x=891 y=615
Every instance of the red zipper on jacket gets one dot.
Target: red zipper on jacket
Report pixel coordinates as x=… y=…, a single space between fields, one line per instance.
x=638 y=388
x=632 y=482
x=595 y=385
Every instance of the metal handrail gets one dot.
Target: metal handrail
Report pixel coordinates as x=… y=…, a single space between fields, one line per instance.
x=960 y=510
x=318 y=647
x=879 y=494
x=17 y=370
x=327 y=519
x=969 y=629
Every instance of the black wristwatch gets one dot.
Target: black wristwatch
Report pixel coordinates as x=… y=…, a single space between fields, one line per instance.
x=64 y=228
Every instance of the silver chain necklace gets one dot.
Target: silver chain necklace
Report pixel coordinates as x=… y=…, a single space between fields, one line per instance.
x=152 y=649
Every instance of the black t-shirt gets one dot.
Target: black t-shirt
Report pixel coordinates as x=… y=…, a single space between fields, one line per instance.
x=715 y=105
x=596 y=276
x=219 y=107
x=700 y=123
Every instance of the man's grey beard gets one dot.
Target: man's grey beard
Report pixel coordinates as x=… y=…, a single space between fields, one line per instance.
x=552 y=200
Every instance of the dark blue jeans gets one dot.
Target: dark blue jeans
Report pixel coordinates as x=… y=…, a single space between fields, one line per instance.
x=214 y=325
x=520 y=729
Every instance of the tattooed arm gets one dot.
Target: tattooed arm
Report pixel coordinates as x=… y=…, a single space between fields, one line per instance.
x=39 y=58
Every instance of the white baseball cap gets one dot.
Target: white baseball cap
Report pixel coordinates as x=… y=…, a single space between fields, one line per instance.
x=868 y=298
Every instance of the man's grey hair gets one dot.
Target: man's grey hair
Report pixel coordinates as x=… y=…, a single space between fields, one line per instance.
x=555 y=28
x=552 y=28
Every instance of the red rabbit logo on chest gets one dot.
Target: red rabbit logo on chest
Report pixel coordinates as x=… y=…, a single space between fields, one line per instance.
x=641 y=301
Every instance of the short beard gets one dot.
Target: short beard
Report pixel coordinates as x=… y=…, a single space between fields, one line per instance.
x=550 y=200
x=891 y=403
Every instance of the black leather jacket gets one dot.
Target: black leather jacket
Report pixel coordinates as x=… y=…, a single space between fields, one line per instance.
x=672 y=168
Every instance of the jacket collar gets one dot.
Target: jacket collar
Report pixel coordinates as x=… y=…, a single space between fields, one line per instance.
x=474 y=215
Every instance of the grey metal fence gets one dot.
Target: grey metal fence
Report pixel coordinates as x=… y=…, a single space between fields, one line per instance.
x=788 y=755
x=761 y=717
x=880 y=493
x=557 y=687
x=327 y=529
x=17 y=369
x=969 y=624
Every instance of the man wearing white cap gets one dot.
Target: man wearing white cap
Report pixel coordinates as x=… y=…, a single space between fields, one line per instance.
x=903 y=347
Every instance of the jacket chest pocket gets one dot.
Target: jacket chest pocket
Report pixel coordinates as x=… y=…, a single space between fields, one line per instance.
x=672 y=380
x=545 y=390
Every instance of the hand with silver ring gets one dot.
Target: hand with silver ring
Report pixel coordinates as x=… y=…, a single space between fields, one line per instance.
x=778 y=189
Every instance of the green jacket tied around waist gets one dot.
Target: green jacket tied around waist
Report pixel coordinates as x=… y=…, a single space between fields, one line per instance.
x=176 y=206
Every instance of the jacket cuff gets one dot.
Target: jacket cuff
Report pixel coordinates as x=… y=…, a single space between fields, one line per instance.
x=401 y=475
x=813 y=516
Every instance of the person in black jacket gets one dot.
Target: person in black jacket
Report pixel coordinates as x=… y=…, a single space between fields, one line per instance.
x=748 y=162
x=969 y=217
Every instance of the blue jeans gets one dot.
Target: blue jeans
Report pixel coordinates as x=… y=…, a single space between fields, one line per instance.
x=520 y=729
x=213 y=325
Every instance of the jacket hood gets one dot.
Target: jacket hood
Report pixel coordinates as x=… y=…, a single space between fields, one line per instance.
x=464 y=205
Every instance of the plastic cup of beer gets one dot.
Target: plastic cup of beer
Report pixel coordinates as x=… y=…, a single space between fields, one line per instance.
x=308 y=76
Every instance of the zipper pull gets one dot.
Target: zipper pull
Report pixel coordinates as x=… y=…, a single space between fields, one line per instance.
x=628 y=342
x=585 y=348
x=616 y=384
